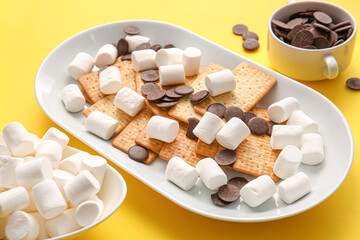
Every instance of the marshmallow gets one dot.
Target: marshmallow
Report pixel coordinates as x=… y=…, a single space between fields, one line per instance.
x=220 y=82
x=73 y=98
x=18 y=139
x=300 y=118
x=168 y=56
x=3 y=222
x=13 y=200
x=101 y=124
x=81 y=65
x=143 y=60
x=280 y=111
x=48 y=199
x=68 y=151
x=162 y=128
x=31 y=207
x=233 y=133
x=106 y=55
x=62 y=224
x=294 y=187
x=135 y=41
x=51 y=150
x=211 y=174
x=42 y=230
x=191 y=61
x=4 y=149
x=312 y=148
x=171 y=74
x=7 y=171
x=110 y=80
x=96 y=165
x=209 y=125
x=81 y=187
x=129 y=101
x=73 y=162
x=181 y=173
x=36 y=140
x=287 y=162
x=57 y=136
x=283 y=135
x=89 y=211
x=22 y=225
x=61 y=177
x=258 y=191
x=32 y=172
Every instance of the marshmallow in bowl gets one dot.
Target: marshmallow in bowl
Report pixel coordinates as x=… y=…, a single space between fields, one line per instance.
x=101 y=124
x=168 y=56
x=72 y=98
x=62 y=224
x=294 y=187
x=72 y=163
x=162 y=128
x=18 y=139
x=287 y=162
x=258 y=191
x=82 y=64
x=57 y=136
x=136 y=40
x=143 y=60
x=171 y=74
x=7 y=171
x=181 y=173
x=233 y=133
x=106 y=55
x=4 y=149
x=280 y=111
x=283 y=135
x=22 y=225
x=96 y=165
x=110 y=80
x=312 y=148
x=191 y=60
x=41 y=221
x=61 y=177
x=13 y=200
x=308 y=125
x=209 y=125
x=220 y=82
x=211 y=174
x=89 y=211
x=50 y=150
x=129 y=101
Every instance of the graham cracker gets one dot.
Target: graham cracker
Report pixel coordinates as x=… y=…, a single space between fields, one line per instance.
x=208 y=150
x=84 y=93
x=156 y=110
x=126 y=138
x=107 y=106
x=182 y=147
x=252 y=84
x=261 y=112
x=144 y=140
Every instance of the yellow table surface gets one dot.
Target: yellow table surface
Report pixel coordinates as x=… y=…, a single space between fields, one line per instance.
x=29 y=30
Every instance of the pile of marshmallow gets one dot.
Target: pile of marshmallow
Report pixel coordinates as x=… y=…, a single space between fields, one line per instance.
x=47 y=189
x=298 y=139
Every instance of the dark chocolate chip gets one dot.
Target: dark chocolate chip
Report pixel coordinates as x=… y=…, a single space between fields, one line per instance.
x=131 y=30
x=143 y=46
x=251 y=44
x=229 y=193
x=217 y=201
x=217 y=109
x=126 y=57
x=302 y=38
x=199 y=97
x=234 y=111
x=280 y=32
x=248 y=116
x=353 y=83
x=138 y=153
x=156 y=47
x=167 y=99
x=294 y=22
x=156 y=95
x=193 y=122
x=270 y=127
x=239 y=29
x=150 y=76
x=321 y=42
x=166 y=104
x=169 y=46
x=148 y=88
x=102 y=69
x=339 y=25
x=122 y=46
x=322 y=27
x=343 y=29
x=248 y=35
x=280 y=24
x=225 y=157
x=258 y=126
x=172 y=94
x=322 y=17
x=238 y=182
x=184 y=90
x=294 y=31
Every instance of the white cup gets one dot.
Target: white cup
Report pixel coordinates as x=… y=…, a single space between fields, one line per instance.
x=310 y=64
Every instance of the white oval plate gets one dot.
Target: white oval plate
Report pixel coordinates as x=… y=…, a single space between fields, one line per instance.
x=326 y=177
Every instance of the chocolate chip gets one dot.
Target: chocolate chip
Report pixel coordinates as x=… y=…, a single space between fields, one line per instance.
x=248 y=116
x=353 y=83
x=248 y=35
x=229 y=193
x=234 y=111
x=156 y=95
x=102 y=69
x=166 y=104
x=270 y=127
x=294 y=22
x=349 y=33
x=258 y=126
x=217 y=109
x=339 y=25
x=251 y=44
x=143 y=46
x=167 y=99
x=322 y=27
x=321 y=42
x=239 y=29
x=280 y=24
x=338 y=42
x=322 y=17
x=156 y=47
x=193 y=122
x=122 y=46
x=280 y=32
x=131 y=30
x=126 y=57
x=302 y=38
x=169 y=46
x=225 y=157
x=184 y=90
x=138 y=153
x=333 y=37
x=294 y=31
x=238 y=182
x=172 y=94
x=147 y=88
x=150 y=75
x=217 y=201
x=343 y=29
x=199 y=97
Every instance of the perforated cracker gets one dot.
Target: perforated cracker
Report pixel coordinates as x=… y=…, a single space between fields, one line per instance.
x=261 y=112
x=208 y=150
x=144 y=140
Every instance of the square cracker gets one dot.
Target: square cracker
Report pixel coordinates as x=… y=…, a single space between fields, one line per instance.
x=182 y=147
x=144 y=140
x=251 y=85
x=208 y=150
x=106 y=106
x=90 y=82
x=126 y=138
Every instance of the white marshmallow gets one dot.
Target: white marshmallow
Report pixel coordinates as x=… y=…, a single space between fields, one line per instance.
x=48 y=199
x=258 y=191
x=7 y=171
x=171 y=74
x=36 y=140
x=110 y=80
x=209 y=125
x=280 y=111
x=18 y=139
x=287 y=162
x=72 y=98
x=135 y=41
x=181 y=173
x=211 y=174
x=41 y=221
x=81 y=65
x=68 y=151
x=143 y=60
x=31 y=207
x=308 y=125
x=220 y=82
x=50 y=150
x=22 y=225
x=106 y=55
x=32 y=172
x=89 y=211
x=312 y=148
x=81 y=187
x=3 y=222
x=57 y=136
x=168 y=56
x=283 y=135
x=72 y=163
x=4 y=149
x=101 y=124
x=96 y=165
x=13 y=200
x=62 y=224
x=294 y=187
x=233 y=133
x=129 y=101
x=61 y=177
x=191 y=61
x=162 y=128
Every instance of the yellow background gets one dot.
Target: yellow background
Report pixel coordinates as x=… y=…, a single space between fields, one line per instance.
x=29 y=30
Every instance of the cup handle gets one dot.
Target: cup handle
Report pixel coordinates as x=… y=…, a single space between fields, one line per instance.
x=331 y=69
